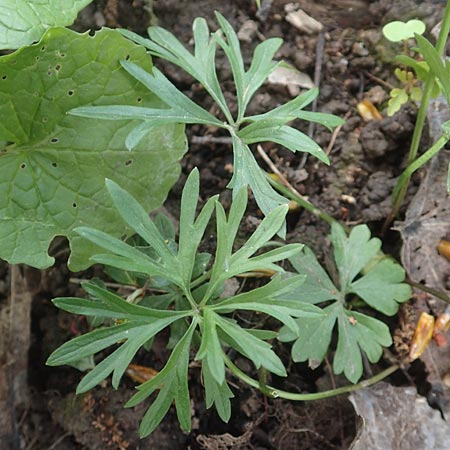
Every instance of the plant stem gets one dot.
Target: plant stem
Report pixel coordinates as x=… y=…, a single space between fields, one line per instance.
x=439 y=294
x=276 y=393
x=402 y=184
x=302 y=202
x=403 y=180
x=205 y=276
x=188 y=294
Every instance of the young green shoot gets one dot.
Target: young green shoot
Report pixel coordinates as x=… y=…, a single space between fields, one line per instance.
x=274 y=125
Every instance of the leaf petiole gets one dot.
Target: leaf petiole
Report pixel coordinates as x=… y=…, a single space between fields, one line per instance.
x=403 y=180
x=272 y=392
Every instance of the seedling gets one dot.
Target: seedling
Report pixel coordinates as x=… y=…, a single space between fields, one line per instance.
x=437 y=71
x=200 y=318
x=409 y=92
x=398 y=31
x=194 y=305
x=244 y=130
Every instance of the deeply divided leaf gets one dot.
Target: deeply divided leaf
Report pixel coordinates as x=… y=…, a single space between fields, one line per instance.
x=358 y=332
x=246 y=172
x=352 y=253
x=381 y=287
x=389 y=276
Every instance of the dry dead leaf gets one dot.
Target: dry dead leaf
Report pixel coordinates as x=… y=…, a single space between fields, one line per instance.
x=427 y=221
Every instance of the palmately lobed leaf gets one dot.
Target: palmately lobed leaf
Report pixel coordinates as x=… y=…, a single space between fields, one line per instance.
x=53 y=172
x=352 y=253
x=318 y=286
x=358 y=332
x=313 y=338
x=381 y=286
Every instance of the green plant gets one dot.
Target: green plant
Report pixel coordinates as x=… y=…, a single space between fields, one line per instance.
x=362 y=275
x=435 y=76
x=53 y=165
x=41 y=146
x=398 y=31
x=244 y=130
x=408 y=92
x=201 y=315
x=26 y=21
x=202 y=320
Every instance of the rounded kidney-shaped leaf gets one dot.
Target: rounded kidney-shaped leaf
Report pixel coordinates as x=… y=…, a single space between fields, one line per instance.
x=399 y=31
x=25 y=21
x=53 y=165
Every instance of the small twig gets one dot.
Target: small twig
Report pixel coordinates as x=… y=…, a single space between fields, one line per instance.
x=317 y=77
x=335 y=134
x=302 y=201
x=379 y=80
x=320 y=47
x=23 y=417
x=275 y=170
x=58 y=441
x=32 y=442
x=211 y=140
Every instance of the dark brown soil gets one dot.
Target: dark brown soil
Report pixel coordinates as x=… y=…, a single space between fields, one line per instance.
x=365 y=159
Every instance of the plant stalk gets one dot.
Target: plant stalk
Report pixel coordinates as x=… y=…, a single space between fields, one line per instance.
x=404 y=178
x=277 y=393
x=303 y=203
x=438 y=294
x=402 y=184
x=202 y=278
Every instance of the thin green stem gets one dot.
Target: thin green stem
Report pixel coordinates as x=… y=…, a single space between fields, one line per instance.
x=201 y=279
x=425 y=157
x=402 y=185
x=421 y=117
x=438 y=294
x=277 y=393
x=302 y=202
x=188 y=294
x=404 y=178
x=211 y=289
